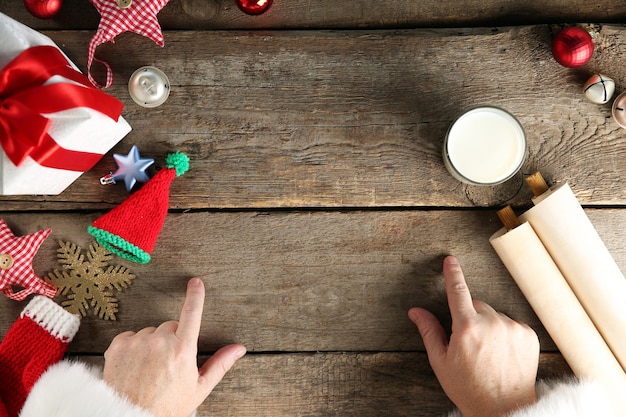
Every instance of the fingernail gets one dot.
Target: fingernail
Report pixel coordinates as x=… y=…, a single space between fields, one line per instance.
x=413 y=315
x=194 y=282
x=239 y=353
x=451 y=260
x=416 y=320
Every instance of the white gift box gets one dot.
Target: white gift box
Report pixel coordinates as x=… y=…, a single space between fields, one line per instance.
x=76 y=129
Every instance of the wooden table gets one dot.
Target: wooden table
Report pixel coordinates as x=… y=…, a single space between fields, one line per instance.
x=318 y=210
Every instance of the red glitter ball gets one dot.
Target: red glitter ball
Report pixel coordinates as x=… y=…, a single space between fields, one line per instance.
x=572 y=47
x=254 y=6
x=43 y=9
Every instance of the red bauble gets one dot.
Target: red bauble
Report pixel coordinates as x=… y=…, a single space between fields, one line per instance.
x=572 y=47
x=43 y=9
x=254 y=6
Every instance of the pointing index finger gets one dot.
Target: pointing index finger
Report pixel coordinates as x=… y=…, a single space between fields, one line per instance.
x=459 y=297
x=191 y=314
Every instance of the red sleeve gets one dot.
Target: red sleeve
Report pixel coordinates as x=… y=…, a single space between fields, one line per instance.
x=37 y=339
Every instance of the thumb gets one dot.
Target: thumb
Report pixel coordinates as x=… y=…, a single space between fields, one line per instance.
x=433 y=335
x=214 y=369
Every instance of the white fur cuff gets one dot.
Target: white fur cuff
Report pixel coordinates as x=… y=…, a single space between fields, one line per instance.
x=569 y=399
x=565 y=399
x=71 y=389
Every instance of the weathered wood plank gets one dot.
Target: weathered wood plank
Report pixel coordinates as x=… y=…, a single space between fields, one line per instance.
x=331 y=384
x=224 y=14
x=322 y=281
x=334 y=119
x=354 y=119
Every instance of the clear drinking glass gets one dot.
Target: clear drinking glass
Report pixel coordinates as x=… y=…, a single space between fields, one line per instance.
x=484 y=146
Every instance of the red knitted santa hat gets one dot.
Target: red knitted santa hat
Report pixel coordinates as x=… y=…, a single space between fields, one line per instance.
x=37 y=339
x=131 y=229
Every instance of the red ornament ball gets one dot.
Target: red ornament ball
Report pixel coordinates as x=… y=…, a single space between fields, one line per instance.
x=254 y=6
x=43 y=9
x=572 y=47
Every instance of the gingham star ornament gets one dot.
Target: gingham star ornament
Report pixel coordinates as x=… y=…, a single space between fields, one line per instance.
x=140 y=17
x=16 y=264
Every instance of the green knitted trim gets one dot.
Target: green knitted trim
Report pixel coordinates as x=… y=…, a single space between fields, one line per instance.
x=119 y=246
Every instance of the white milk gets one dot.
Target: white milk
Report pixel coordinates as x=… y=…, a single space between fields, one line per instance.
x=484 y=146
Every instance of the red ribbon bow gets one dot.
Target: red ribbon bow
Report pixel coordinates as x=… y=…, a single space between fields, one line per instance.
x=24 y=97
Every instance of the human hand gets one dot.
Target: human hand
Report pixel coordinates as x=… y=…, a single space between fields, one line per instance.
x=488 y=368
x=156 y=368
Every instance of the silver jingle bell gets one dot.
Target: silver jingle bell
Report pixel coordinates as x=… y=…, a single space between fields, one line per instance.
x=599 y=89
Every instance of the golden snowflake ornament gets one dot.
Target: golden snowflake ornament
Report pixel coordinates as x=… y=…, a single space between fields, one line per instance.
x=88 y=283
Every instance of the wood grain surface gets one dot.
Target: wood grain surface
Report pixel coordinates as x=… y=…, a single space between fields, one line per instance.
x=353 y=118
x=317 y=209
x=306 y=281
x=304 y=14
x=333 y=384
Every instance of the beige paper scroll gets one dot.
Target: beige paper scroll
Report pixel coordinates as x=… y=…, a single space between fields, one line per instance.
x=552 y=299
x=573 y=243
x=572 y=282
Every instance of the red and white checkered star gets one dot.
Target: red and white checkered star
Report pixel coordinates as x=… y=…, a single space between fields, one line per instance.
x=16 y=264
x=140 y=17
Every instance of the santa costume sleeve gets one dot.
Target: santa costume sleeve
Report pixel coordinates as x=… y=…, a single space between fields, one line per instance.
x=567 y=398
x=34 y=383
x=36 y=340
x=73 y=389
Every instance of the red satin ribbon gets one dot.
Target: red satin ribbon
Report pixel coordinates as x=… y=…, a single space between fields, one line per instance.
x=24 y=97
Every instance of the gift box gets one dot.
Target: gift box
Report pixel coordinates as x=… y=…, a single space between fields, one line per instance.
x=54 y=125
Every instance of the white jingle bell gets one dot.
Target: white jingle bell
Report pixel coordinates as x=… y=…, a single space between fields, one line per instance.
x=599 y=88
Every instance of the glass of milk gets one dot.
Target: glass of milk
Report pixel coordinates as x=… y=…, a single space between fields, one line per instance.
x=484 y=146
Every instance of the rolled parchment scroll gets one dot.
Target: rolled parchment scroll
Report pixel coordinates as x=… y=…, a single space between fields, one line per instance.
x=580 y=254
x=554 y=302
